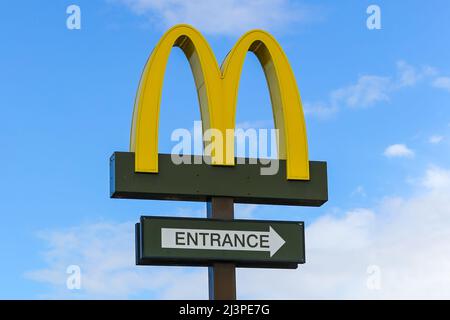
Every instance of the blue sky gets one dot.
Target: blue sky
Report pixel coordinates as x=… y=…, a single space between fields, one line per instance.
x=377 y=110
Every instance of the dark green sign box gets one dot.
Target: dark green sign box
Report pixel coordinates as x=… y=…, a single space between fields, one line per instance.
x=199 y=182
x=153 y=244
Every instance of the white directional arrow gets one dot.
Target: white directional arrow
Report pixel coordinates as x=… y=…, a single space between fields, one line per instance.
x=207 y=239
x=275 y=240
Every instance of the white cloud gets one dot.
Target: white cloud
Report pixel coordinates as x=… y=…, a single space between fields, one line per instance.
x=369 y=90
x=359 y=191
x=437 y=178
x=105 y=253
x=406 y=239
x=245 y=211
x=436 y=139
x=408 y=75
x=319 y=109
x=257 y=124
x=398 y=150
x=442 y=83
x=222 y=16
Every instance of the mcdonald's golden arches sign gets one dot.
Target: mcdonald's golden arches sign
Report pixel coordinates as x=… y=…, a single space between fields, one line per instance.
x=144 y=173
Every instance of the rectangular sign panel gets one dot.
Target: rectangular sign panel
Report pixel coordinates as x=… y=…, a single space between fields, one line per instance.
x=201 y=242
x=199 y=182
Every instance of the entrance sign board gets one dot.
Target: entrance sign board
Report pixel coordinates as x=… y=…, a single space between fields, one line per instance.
x=193 y=241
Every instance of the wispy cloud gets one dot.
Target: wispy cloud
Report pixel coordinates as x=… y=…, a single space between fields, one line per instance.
x=104 y=251
x=398 y=151
x=245 y=211
x=436 y=139
x=436 y=178
x=105 y=254
x=408 y=75
x=223 y=16
x=257 y=124
x=442 y=83
x=369 y=90
x=320 y=109
x=406 y=239
x=359 y=191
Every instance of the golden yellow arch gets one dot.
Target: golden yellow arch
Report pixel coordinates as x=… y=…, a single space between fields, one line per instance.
x=217 y=90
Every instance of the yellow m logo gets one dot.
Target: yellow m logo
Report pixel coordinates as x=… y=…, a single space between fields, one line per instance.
x=217 y=90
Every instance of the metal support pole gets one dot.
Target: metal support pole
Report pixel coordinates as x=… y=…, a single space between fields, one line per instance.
x=221 y=276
